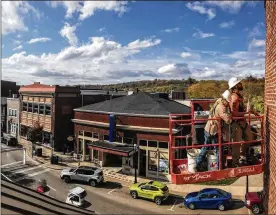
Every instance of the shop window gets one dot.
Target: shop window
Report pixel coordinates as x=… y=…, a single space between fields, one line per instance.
x=163 y=162
x=41 y=108
x=81 y=133
x=30 y=107
x=128 y=140
x=80 y=146
x=163 y=145
x=106 y=137
x=86 y=142
x=87 y=134
x=96 y=135
x=152 y=144
x=47 y=109
x=24 y=106
x=46 y=138
x=143 y=143
x=35 y=108
x=153 y=160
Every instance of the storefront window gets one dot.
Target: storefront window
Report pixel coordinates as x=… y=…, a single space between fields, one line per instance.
x=152 y=144
x=80 y=146
x=153 y=160
x=46 y=138
x=143 y=143
x=86 y=142
x=163 y=162
x=95 y=154
x=87 y=134
x=163 y=145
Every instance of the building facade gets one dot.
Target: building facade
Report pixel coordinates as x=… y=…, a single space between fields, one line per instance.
x=108 y=131
x=13 y=116
x=52 y=106
x=270 y=109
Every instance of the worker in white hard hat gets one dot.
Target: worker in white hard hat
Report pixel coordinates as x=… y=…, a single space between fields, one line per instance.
x=241 y=129
x=221 y=109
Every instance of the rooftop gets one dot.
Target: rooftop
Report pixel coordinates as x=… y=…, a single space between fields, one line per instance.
x=140 y=103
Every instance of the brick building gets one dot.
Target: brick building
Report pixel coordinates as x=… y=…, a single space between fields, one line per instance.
x=52 y=106
x=270 y=109
x=108 y=130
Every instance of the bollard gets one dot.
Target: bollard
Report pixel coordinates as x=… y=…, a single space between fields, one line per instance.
x=24 y=156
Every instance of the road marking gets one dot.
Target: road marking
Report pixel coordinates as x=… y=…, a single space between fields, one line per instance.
x=171 y=209
x=249 y=212
x=6 y=177
x=111 y=191
x=51 y=188
x=2 y=166
x=32 y=175
x=26 y=170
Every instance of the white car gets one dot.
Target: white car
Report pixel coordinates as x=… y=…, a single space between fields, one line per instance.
x=76 y=196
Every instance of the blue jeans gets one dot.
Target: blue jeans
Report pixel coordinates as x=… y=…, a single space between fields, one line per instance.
x=208 y=139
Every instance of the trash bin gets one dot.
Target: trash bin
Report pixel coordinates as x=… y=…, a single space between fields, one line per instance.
x=38 y=152
x=54 y=159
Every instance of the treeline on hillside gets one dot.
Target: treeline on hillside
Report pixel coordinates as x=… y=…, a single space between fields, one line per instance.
x=253 y=88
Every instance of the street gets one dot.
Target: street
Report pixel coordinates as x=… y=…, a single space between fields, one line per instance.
x=109 y=198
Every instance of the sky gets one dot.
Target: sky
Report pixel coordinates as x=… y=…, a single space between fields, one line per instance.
x=104 y=42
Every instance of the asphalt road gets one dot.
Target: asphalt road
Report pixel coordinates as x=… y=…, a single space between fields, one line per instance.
x=109 y=198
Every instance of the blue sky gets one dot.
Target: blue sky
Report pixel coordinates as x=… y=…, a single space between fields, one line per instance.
x=116 y=41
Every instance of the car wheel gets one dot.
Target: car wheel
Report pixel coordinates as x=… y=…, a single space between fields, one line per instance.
x=256 y=209
x=67 y=179
x=221 y=207
x=158 y=200
x=92 y=183
x=134 y=194
x=191 y=206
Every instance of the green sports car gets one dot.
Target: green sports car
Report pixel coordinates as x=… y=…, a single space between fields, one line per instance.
x=153 y=190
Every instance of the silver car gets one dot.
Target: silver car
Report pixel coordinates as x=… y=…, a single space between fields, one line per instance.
x=91 y=175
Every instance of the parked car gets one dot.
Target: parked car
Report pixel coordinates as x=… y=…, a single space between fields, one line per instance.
x=76 y=196
x=209 y=198
x=254 y=201
x=9 y=140
x=91 y=175
x=153 y=190
x=42 y=185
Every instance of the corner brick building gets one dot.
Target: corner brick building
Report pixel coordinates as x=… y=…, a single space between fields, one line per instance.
x=270 y=109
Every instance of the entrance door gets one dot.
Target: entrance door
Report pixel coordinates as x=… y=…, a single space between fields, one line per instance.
x=143 y=159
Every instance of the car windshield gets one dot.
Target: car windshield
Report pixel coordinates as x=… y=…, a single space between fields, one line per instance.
x=141 y=184
x=223 y=193
x=164 y=189
x=72 y=170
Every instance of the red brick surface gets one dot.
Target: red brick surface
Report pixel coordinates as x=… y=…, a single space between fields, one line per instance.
x=270 y=109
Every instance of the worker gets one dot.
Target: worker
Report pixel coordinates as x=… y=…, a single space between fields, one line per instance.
x=241 y=129
x=220 y=109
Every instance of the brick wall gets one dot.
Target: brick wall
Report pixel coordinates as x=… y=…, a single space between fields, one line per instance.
x=270 y=109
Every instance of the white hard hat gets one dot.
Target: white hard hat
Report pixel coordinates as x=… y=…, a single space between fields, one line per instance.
x=227 y=95
x=233 y=82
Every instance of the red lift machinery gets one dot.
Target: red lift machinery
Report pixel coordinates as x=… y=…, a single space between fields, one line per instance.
x=184 y=136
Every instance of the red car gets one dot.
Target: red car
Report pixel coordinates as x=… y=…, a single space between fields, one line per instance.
x=42 y=185
x=254 y=201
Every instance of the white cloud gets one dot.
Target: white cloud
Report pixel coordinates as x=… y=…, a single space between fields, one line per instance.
x=227 y=24
x=39 y=40
x=17 y=42
x=99 y=60
x=198 y=7
x=256 y=44
x=87 y=8
x=138 y=44
x=13 y=15
x=170 y=30
x=257 y=30
x=186 y=55
x=102 y=29
x=228 y=6
x=202 y=35
x=18 y=48
x=19 y=36
x=69 y=32
x=174 y=69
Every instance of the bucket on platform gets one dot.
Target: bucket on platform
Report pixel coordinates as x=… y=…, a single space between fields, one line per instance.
x=192 y=155
x=212 y=161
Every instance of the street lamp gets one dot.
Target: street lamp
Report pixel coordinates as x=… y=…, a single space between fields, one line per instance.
x=135 y=162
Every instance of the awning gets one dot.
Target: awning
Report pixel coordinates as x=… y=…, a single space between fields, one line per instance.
x=112 y=148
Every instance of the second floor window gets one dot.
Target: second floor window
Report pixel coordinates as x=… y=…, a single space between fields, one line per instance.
x=47 y=109
x=24 y=106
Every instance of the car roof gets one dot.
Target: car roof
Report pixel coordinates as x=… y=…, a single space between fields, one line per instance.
x=88 y=167
x=77 y=190
x=157 y=184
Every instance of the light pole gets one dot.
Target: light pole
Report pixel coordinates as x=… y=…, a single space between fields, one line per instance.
x=135 y=162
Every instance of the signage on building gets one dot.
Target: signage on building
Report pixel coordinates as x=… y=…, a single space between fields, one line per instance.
x=70 y=138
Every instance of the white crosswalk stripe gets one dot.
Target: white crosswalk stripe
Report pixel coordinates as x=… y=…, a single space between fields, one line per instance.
x=26 y=170
x=31 y=175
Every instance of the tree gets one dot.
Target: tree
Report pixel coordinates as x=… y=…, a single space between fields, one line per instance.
x=34 y=134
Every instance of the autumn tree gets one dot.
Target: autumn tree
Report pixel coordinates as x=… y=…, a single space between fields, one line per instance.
x=34 y=134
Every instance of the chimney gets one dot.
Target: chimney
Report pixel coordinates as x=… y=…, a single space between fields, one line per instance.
x=36 y=82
